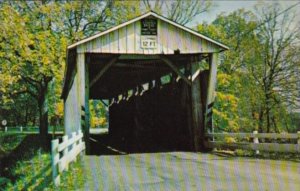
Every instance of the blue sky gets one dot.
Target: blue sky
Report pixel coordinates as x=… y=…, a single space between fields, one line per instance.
x=220 y=6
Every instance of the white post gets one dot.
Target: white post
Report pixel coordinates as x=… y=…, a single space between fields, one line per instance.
x=21 y=129
x=80 y=142
x=255 y=140
x=5 y=128
x=74 y=143
x=54 y=161
x=66 y=150
x=298 y=141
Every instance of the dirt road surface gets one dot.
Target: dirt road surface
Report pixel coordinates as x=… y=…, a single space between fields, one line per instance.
x=173 y=171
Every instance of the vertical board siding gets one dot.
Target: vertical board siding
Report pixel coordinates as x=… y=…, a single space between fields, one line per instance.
x=160 y=47
x=137 y=36
x=72 y=112
x=127 y=40
x=122 y=39
x=130 y=39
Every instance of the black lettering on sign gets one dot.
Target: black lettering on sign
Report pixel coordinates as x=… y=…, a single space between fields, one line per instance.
x=149 y=27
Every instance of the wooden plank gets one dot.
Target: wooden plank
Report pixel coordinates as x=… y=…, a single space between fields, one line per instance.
x=255 y=146
x=122 y=40
x=114 y=41
x=197 y=112
x=276 y=147
x=224 y=145
x=80 y=89
x=237 y=135
x=251 y=135
x=277 y=136
x=61 y=164
x=137 y=36
x=196 y=74
x=104 y=69
x=54 y=162
x=87 y=110
x=130 y=39
x=212 y=79
x=175 y=69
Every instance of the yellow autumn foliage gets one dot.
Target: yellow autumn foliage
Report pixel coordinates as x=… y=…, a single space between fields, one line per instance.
x=230 y=140
x=98 y=121
x=59 y=109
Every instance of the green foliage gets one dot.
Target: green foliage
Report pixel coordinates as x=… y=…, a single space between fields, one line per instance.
x=9 y=141
x=98 y=114
x=226 y=107
x=33 y=40
x=36 y=174
x=254 y=91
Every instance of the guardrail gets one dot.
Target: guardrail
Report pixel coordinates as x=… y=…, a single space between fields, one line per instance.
x=256 y=145
x=65 y=152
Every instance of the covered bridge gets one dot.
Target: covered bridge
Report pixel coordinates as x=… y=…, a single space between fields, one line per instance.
x=158 y=76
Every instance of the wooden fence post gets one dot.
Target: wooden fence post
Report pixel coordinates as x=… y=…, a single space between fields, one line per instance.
x=66 y=150
x=74 y=145
x=298 y=141
x=54 y=161
x=255 y=140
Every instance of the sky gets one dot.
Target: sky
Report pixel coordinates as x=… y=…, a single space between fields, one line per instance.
x=220 y=6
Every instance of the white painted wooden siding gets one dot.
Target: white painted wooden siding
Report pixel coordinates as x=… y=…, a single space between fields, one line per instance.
x=127 y=40
x=72 y=109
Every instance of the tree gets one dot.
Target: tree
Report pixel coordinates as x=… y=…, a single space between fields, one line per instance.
x=262 y=64
x=32 y=55
x=230 y=110
x=33 y=41
x=180 y=11
x=276 y=62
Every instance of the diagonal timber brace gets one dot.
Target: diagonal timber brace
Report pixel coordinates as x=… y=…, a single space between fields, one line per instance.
x=104 y=69
x=175 y=69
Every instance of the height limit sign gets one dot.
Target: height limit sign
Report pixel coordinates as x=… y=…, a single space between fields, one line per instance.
x=148 y=33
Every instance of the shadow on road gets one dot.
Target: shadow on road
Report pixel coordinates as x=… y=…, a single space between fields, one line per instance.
x=105 y=144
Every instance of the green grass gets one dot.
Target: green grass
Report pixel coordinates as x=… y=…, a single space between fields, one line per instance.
x=262 y=155
x=9 y=141
x=36 y=174
x=29 y=168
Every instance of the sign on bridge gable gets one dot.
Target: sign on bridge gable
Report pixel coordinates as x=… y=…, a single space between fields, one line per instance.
x=148 y=34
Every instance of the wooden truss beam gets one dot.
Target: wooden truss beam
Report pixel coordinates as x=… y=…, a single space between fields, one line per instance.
x=175 y=69
x=104 y=69
x=139 y=66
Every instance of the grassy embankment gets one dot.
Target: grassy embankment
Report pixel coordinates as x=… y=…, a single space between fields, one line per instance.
x=25 y=166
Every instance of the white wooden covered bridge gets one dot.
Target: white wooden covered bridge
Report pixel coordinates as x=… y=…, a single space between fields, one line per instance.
x=158 y=76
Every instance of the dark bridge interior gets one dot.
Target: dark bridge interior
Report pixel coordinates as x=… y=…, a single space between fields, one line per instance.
x=150 y=105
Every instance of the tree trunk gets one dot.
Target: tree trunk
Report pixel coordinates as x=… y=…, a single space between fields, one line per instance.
x=268 y=114
x=43 y=116
x=260 y=120
x=275 y=125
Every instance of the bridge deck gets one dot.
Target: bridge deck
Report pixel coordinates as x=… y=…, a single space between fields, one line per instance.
x=188 y=171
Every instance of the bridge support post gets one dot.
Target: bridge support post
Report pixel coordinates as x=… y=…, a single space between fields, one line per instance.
x=212 y=79
x=197 y=108
x=83 y=91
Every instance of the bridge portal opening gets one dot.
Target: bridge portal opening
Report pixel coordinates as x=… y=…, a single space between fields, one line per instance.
x=158 y=76
x=149 y=103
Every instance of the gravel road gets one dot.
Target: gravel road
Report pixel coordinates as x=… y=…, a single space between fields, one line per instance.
x=173 y=171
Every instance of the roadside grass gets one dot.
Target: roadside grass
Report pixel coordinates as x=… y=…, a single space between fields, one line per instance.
x=9 y=141
x=36 y=174
x=27 y=168
x=295 y=157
